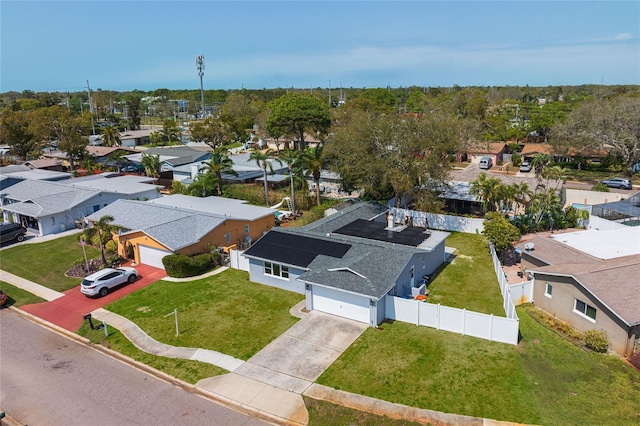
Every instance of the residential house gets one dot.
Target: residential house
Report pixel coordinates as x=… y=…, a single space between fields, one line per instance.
x=347 y=263
x=476 y=150
x=105 y=154
x=589 y=279
x=53 y=164
x=248 y=171
x=133 y=138
x=17 y=173
x=180 y=224
x=46 y=207
x=173 y=158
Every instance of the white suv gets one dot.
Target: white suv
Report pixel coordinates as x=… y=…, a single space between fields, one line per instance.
x=99 y=283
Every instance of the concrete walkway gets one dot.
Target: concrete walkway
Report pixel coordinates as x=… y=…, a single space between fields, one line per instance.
x=30 y=286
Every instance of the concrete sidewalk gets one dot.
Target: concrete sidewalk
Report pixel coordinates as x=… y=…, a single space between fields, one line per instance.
x=30 y=286
x=147 y=344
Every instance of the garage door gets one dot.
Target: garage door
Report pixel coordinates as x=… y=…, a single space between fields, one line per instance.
x=339 y=303
x=152 y=256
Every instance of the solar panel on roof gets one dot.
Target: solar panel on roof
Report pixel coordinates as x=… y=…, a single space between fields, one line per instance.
x=295 y=249
x=410 y=236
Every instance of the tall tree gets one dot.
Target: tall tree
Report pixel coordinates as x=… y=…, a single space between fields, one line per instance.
x=489 y=190
x=171 y=131
x=263 y=160
x=295 y=114
x=218 y=164
x=134 y=107
x=600 y=124
x=211 y=131
x=312 y=161
x=18 y=135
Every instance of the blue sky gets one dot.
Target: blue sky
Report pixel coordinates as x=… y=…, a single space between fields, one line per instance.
x=126 y=45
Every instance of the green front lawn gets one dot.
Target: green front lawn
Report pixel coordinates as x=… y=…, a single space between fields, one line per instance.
x=225 y=312
x=183 y=369
x=18 y=296
x=46 y=263
x=469 y=281
x=544 y=380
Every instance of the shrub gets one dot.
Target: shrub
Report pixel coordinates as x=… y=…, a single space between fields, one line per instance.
x=596 y=340
x=95 y=240
x=180 y=266
x=600 y=187
x=111 y=246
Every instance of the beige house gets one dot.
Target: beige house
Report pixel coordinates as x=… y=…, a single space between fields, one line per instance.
x=587 y=290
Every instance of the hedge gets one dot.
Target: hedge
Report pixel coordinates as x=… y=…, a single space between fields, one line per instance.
x=181 y=266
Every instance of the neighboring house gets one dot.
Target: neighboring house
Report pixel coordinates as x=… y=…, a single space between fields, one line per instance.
x=589 y=279
x=134 y=138
x=51 y=207
x=52 y=164
x=347 y=263
x=18 y=173
x=530 y=150
x=104 y=154
x=477 y=150
x=248 y=171
x=180 y=224
x=173 y=158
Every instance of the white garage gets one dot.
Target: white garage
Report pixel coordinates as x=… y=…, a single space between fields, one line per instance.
x=152 y=256
x=341 y=303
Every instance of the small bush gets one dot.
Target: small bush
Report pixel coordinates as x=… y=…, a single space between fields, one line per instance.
x=95 y=240
x=596 y=340
x=111 y=246
x=180 y=266
x=600 y=187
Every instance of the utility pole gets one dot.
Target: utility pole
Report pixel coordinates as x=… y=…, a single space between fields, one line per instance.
x=329 y=92
x=200 y=65
x=93 y=127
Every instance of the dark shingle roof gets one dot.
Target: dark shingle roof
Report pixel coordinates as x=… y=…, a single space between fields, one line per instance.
x=343 y=217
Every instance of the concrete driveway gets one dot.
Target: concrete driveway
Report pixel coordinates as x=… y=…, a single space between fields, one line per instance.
x=301 y=354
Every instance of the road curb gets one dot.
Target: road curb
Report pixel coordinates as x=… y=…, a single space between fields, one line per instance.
x=187 y=387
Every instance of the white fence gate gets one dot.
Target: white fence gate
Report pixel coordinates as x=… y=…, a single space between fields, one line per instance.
x=238 y=261
x=521 y=293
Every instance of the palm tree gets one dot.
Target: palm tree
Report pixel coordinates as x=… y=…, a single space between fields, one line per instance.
x=110 y=136
x=262 y=160
x=202 y=185
x=218 y=164
x=312 y=162
x=291 y=157
x=539 y=162
x=522 y=195
x=488 y=190
x=151 y=164
x=105 y=229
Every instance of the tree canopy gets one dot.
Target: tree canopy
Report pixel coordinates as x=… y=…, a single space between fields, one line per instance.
x=295 y=114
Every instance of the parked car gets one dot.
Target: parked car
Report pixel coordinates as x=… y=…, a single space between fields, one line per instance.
x=525 y=167
x=617 y=183
x=485 y=163
x=99 y=283
x=3 y=298
x=12 y=231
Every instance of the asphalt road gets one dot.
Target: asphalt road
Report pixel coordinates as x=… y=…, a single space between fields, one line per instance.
x=47 y=379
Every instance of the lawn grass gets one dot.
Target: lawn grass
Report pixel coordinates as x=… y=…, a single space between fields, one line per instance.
x=19 y=297
x=322 y=413
x=46 y=263
x=469 y=281
x=225 y=312
x=183 y=369
x=544 y=380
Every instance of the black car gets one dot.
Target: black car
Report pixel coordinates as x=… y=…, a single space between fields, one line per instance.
x=12 y=231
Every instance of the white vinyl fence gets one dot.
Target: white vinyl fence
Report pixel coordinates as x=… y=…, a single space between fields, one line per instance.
x=440 y=221
x=521 y=293
x=469 y=323
x=462 y=321
x=238 y=261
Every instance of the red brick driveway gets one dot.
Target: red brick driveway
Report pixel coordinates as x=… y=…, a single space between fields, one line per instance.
x=68 y=310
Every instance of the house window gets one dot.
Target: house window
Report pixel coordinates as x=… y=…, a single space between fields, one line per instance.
x=548 y=290
x=246 y=229
x=276 y=270
x=585 y=310
x=227 y=237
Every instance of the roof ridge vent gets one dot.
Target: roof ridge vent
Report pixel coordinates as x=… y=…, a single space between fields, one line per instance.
x=348 y=270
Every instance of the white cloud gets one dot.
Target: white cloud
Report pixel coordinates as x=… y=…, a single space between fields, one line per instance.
x=623 y=36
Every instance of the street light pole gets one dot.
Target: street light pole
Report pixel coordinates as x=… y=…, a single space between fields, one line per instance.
x=200 y=65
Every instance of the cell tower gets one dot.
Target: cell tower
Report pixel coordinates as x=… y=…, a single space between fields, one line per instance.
x=200 y=65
